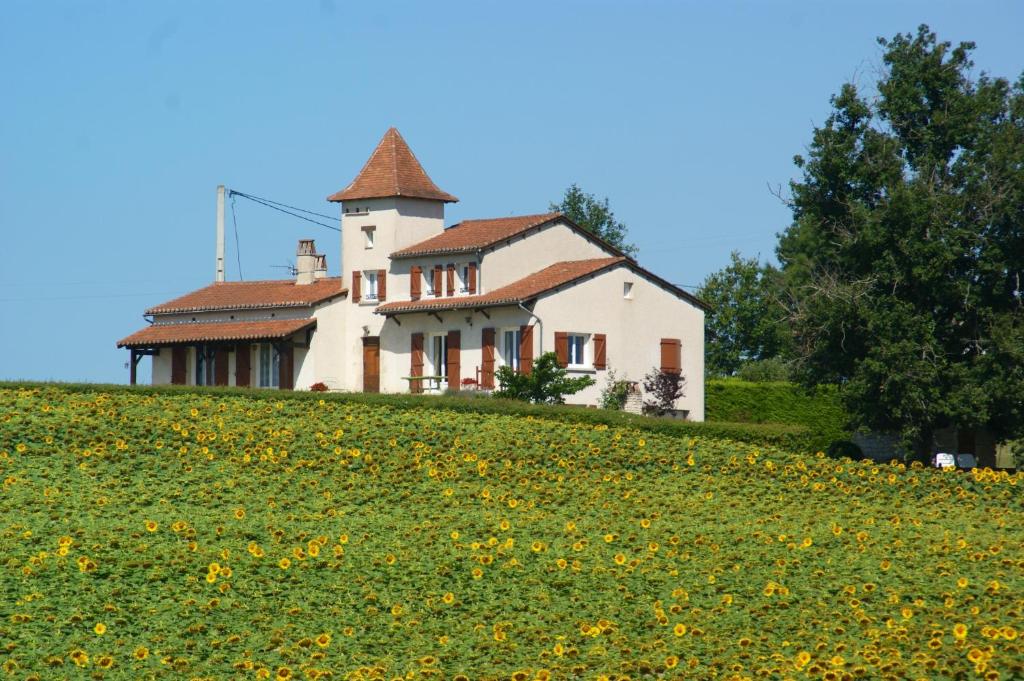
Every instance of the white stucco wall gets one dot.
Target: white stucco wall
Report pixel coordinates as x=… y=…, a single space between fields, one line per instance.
x=398 y=223
x=526 y=255
x=634 y=328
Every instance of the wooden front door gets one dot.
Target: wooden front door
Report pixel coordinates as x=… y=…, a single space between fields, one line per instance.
x=371 y=364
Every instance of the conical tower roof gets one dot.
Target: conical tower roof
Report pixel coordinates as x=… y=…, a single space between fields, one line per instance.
x=392 y=171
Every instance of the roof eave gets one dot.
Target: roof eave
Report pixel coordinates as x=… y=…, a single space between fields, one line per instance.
x=445 y=197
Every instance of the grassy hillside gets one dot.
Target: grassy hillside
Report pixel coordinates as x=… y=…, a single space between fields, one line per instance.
x=189 y=535
x=820 y=410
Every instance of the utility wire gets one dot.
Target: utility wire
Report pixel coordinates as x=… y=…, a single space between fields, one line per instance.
x=238 y=248
x=278 y=203
x=276 y=206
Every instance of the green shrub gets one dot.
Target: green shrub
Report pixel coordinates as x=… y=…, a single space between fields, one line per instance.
x=614 y=392
x=819 y=410
x=547 y=382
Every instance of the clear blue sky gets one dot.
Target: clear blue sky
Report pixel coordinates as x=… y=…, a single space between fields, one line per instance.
x=120 y=118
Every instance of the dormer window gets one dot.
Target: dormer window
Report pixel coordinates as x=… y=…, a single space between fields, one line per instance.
x=369 y=233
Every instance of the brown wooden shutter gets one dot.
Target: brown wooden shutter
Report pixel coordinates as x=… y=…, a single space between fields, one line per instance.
x=417 y=363
x=179 y=358
x=562 y=348
x=382 y=285
x=671 y=356
x=451 y=280
x=526 y=349
x=437 y=280
x=415 y=281
x=600 y=351
x=471 y=284
x=220 y=366
x=356 y=277
x=286 y=367
x=243 y=355
x=487 y=365
x=454 y=352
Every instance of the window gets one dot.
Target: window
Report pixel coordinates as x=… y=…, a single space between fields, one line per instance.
x=431 y=278
x=438 y=350
x=627 y=289
x=270 y=363
x=510 y=342
x=201 y=360
x=369 y=291
x=577 y=349
x=464 y=287
x=368 y=236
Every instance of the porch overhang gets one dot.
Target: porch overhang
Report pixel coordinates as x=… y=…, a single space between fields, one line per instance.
x=189 y=333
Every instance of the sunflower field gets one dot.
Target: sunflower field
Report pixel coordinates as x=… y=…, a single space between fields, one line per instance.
x=191 y=535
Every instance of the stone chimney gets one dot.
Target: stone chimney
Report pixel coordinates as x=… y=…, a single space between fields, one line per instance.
x=320 y=270
x=305 y=262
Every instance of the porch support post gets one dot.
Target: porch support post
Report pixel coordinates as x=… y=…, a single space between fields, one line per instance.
x=133 y=364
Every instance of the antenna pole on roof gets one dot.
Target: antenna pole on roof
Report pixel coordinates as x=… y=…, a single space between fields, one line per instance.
x=220 y=234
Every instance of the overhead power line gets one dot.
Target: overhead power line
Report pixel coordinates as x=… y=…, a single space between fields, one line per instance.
x=278 y=206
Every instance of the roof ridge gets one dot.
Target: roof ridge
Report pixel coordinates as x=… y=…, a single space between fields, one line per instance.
x=549 y=214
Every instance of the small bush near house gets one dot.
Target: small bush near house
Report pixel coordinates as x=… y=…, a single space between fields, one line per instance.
x=663 y=388
x=319 y=387
x=614 y=392
x=547 y=382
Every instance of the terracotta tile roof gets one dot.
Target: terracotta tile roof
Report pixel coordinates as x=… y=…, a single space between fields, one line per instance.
x=249 y=295
x=392 y=171
x=470 y=235
x=528 y=287
x=194 y=332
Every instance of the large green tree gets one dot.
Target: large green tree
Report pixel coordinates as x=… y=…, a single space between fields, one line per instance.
x=595 y=215
x=905 y=258
x=747 y=322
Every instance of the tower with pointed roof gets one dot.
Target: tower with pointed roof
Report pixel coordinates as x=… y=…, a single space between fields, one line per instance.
x=390 y=205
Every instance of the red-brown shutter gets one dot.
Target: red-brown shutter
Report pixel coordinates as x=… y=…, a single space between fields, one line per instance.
x=562 y=348
x=487 y=365
x=286 y=373
x=600 y=351
x=454 y=352
x=471 y=284
x=671 y=356
x=451 y=280
x=178 y=361
x=415 y=280
x=356 y=277
x=417 y=363
x=243 y=355
x=382 y=285
x=437 y=280
x=526 y=348
x=220 y=366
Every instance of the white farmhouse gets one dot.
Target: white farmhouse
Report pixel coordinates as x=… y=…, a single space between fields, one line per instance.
x=424 y=308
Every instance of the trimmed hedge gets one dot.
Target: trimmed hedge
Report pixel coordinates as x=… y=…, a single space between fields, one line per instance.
x=819 y=410
x=791 y=437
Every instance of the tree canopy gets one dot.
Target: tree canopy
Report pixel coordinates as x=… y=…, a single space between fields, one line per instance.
x=596 y=216
x=904 y=260
x=747 y=322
